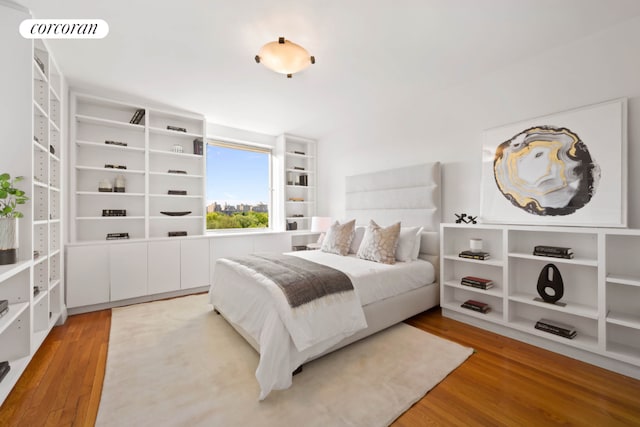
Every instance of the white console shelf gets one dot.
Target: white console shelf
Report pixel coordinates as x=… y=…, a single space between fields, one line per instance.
x=601 y=288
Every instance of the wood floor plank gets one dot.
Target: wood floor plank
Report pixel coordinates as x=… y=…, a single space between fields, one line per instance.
x=504 y=383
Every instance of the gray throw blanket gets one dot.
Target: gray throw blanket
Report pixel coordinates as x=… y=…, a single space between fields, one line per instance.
x=300 y=280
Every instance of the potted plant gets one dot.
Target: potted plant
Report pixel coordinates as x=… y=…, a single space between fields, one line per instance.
x=10 y=198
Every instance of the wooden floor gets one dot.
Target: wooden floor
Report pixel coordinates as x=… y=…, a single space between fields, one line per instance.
x=505 y=382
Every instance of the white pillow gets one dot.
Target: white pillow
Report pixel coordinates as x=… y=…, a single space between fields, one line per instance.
x=379 y=244
x=338 y=238
x=416 y=249
x=357 y=239
x=407 y=246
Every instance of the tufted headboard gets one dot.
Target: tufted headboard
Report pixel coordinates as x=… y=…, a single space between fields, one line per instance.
x=410 y=195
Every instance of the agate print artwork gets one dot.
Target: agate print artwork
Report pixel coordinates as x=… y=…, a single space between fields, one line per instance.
x=546 y=171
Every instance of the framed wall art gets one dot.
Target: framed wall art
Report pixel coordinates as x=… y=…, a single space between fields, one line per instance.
x=568 y=168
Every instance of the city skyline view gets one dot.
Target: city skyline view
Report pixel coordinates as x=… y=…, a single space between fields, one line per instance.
x=236 y=176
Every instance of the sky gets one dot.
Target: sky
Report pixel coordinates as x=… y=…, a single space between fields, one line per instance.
x=236 y=176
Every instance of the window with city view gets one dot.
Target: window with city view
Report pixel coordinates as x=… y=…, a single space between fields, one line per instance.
x=238 y=186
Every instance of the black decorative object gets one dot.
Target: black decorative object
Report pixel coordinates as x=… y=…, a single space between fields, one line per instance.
x=52 y=150
x=463 y=218
x=198 y=146
x=117 y=236
x=114 y=212
x=177 y=128
x=137 y=116
x=177 y=192
x=118 y=143
x=171 y=213
x=550 y=279
x=292 y=225
x=177 y=171
x=177 y=233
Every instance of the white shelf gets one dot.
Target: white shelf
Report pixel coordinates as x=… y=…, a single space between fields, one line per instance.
x=301 y=156
x=574 y=261
x=175 y=218
x=108 y=146
x=108 y=122
x=109 y=218
x=178 y=175
x=174 y=133
x=171 y=153
x=15 y=310
x=304 y=187
x=571 y=308
x=300 y=171
x=8 y=271
x=491 y=291
x=492 y=262
x=112 y=170
x=622 y=280
x=41 y=295
x=108 y=194
x=301 y=202
x=581 y=340
x=177 y=196
x=492 y=315
x=624 y=319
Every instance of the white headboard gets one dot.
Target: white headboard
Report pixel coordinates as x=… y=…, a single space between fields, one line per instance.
x=410 y=194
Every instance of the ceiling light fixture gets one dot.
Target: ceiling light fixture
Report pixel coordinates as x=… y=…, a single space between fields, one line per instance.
x=284 y=57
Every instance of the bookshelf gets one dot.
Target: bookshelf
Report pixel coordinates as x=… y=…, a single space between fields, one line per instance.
x=601 y=288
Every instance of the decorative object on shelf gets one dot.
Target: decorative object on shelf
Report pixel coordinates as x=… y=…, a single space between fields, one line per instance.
x=177 y=192
x=36 y=291
x=475 y=245
x=476 y=282
x=284 y=57
x=478 y=306
x=198 y=146
x=175 y=213
x=10 y=198
x=298 y=168
x=110 y=166
x=296 y=199
x=482 y=256
x=137 y=116
x=52 y=150
x=463 y=218
x=177 y=148
x=119 y=185
x=39 y=63
x=320 y=224
x=297 y=216
x=293 y=225
x=36 y=254
x=303 y=180
x=550 y=285
x=557 y=328
x=4 y=307
x=121 y=144
x=117 y=236
x=298 y=152
x=544 y=171
x=4 y=369
x=114 y=212
x=177 y=128
x=290 y=180
x=177 y=171
x=105 y=186
x=553 y=251
x=177 y=233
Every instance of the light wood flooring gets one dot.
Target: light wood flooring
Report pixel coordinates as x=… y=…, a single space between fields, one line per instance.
x=504 y=383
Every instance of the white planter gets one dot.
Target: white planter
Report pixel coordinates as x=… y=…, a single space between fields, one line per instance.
x=8 y=241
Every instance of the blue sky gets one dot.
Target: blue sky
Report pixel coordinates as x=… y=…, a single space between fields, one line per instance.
x=236 y=176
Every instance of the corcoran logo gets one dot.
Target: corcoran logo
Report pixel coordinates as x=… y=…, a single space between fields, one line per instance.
x=64 y=29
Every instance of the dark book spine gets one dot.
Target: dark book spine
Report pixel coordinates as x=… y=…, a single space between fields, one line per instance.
x=476 y=285
x=479 y=257
x=553 y=255
x=555 y=331
x=552 y=249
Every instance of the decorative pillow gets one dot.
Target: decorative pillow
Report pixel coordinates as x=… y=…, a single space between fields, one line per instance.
x=416 y=249
x=357 y=239
x=338 y=238
x=379 y=244
x=407 y=243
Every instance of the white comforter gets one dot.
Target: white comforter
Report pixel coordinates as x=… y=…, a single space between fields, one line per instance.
x=258 y=311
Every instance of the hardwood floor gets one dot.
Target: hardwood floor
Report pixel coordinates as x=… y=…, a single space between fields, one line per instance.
x=505 y=382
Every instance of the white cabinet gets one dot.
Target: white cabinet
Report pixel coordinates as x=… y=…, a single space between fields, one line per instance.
x=128 y=270
x=194 y=263
x=158 y=165
x=164 y=266
x=88 y=275
x=300 y=181
x=601 y=288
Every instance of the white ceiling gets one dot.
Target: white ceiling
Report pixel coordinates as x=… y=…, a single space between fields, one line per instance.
x=198 y=54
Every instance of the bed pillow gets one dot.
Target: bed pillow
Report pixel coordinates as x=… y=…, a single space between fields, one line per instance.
x=407 y=244
x=338 y=238
x=379 y=244
x=357 y=239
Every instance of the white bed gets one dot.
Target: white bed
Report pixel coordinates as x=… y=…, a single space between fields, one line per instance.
x=388 y=293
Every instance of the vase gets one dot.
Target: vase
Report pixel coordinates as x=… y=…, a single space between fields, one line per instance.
x=8 y=241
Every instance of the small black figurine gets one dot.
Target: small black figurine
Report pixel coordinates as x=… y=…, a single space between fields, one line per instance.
x=466 y=219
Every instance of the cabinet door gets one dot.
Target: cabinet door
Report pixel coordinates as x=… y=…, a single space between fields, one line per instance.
x=128 y=270
x=164 y=267
x=87 y=275
x=194 y=265
x=276 y=242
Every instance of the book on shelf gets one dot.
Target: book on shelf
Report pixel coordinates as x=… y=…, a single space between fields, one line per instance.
x=198 y=146
x=475 y=255
x=177 y=171
x=117 y=236
x=4 y=369
x=478 y=306
x=557 y=328
x=553 y=250
x=114 y=212
x=176 y=233
x=4 y=311
x=4 y=303
x=177 y=128
x=137 y=116
x=553 y=255
x=120 y=143
x=177 y=192
x=476 y=282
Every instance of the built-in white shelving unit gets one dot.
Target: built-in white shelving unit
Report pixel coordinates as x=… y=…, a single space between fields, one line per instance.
x=149 y=157
x=31 y=132
x=601 y=288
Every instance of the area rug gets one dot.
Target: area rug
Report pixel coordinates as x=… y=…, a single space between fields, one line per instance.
x=176 y=363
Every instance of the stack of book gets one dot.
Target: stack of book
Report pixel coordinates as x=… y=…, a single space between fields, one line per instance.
x=4 y=307
x=476 y=282
x=4 y=368
x=557 y=328
x=137 y=116
x=198 y=146
x=478 y=306
x=474 y=255
x=553 y=251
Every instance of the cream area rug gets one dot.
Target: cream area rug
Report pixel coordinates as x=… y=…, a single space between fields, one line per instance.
x=177 y=363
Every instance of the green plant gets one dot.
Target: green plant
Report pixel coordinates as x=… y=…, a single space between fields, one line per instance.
x=10 y=196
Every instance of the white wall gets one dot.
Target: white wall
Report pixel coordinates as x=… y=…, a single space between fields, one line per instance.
x=447 y=126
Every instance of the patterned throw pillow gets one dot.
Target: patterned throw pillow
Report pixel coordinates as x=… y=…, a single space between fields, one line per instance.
x=338 y=238
x=379 y=244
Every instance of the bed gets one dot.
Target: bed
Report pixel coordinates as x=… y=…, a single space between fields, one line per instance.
x=387 y=294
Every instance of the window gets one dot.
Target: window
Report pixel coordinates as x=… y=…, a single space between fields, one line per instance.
x=238 y=186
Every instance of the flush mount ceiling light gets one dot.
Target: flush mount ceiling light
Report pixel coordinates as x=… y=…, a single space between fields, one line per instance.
x=284 y=57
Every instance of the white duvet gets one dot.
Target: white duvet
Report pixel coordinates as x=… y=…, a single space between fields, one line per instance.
x=258 y=310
